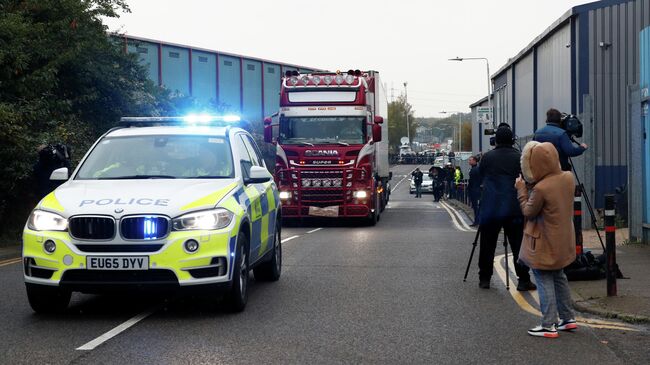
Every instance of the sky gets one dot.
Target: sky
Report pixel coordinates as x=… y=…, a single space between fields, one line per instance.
x=406 y=41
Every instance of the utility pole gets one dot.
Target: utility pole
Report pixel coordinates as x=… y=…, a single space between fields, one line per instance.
x=406 y=108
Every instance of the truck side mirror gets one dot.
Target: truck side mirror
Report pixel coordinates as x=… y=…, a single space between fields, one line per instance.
x=268 y=134
x=376 y=133
x=378 y=120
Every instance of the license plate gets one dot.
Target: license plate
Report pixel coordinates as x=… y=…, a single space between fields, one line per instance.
x=117 y=262
x=331 y=211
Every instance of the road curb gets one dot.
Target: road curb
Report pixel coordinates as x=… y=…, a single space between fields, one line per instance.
x=586 y=306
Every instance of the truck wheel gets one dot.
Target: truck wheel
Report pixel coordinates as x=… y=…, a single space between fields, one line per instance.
x=238 y=295
x=46 y=299
x=271 y=270
x=374 y=217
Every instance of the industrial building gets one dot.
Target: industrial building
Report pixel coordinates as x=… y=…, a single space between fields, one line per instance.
x=246 y=85
x=594 y=61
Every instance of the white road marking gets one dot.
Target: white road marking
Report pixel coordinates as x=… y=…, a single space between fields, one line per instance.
x=289 y=239
x=460 y=217
x=10 y=261
x=404 y=178
x=116 y=331
x=314 y=230
x=453 y=219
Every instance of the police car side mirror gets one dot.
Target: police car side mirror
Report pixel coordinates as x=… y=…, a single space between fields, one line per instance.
x=60 y=174
x=258 y=175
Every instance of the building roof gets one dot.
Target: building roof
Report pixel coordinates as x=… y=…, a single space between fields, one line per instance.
x=142 y=39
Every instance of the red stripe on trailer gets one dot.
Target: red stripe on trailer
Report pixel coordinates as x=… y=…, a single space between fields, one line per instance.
x=610 y=229
x=577 y=212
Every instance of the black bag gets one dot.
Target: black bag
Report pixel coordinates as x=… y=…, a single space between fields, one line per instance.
x=586 y=267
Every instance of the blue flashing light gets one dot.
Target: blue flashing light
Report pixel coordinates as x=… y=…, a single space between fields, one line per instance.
x=207 y=119
x=231 y=118
x=149 y=228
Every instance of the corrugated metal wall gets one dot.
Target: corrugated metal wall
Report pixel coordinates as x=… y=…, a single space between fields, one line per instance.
x=554 y=74
x=523 y=100
x=247 y=86
x=613 y=65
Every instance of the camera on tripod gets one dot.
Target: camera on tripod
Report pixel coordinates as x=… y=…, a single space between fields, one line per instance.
x=572 y=125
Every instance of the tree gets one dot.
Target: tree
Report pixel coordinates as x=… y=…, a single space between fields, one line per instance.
x=397 y=122
x=62 y=80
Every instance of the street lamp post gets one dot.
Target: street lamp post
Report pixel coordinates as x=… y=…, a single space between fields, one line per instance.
x=406 y=108
x=460 y=127
x=488 y=79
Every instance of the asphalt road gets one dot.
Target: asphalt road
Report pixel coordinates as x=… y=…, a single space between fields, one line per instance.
x=389 y=294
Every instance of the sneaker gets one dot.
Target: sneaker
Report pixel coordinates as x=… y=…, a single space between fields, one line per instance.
x=540 y=331
x=484 y=284
x=526 y=286
x=568 y=325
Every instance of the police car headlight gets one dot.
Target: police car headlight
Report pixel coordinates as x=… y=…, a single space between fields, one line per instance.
x=41 y=220
x=205 y=220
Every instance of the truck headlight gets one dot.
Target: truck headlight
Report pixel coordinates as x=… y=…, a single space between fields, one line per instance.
x=361 y=194
x=284 y=195
x=205 y=220
x=41 y=220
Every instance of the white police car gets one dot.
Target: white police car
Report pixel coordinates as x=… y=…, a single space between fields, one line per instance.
x=157 y=203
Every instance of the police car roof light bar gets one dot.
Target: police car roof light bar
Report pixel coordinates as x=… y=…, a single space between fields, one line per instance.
x=207 y=120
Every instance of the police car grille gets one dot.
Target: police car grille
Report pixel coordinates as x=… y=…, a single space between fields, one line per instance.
x=92 y=228
x=144 y=228
x=120 y=248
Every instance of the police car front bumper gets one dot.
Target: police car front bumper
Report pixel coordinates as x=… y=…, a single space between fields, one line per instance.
x=170 y=267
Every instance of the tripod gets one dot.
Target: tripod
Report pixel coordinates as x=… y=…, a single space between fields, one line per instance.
x=587 y=201
x=505 y=246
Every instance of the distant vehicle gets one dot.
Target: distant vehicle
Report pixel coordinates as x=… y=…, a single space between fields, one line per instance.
x=439 y=162
x=427 y=185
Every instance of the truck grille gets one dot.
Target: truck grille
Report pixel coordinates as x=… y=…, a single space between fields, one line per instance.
x=325 y=179
x=92 y=228
x=144 y=227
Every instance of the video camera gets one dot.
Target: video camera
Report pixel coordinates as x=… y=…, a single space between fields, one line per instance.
x=55 y=153
x=572 y=125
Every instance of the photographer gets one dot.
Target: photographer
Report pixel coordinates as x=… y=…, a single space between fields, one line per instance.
x=554 y=133
x=498 y=170
x=50 y=158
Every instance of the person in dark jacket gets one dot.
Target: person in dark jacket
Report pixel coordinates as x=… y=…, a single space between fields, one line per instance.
x=438 y=182
x=417 y=181
x=500 y=208
x=554 y=134
x=474 y=188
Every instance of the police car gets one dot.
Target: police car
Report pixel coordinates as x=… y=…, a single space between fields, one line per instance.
x=157 y=203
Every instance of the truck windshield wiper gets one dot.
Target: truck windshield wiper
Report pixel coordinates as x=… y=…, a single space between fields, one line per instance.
x=139 y=177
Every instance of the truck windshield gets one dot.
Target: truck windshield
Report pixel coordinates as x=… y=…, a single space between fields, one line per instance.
x=158 y=157
x=322 y=130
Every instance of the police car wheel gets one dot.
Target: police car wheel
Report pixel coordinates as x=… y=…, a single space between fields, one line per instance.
x=45 y=299
x=238 y=295
x=271 y=270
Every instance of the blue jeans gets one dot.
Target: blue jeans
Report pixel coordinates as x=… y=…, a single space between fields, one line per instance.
x=554 y=296
x=418 y=190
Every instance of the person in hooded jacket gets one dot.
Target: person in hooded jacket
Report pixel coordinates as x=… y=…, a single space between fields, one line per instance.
x=499 y=207
x=548 y=246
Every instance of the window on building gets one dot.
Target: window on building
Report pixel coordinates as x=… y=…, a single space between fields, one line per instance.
x=174 y=55
x=144 y=50
x=250 y=67
x=270 y=70
x=227 y=63
x=203 y=59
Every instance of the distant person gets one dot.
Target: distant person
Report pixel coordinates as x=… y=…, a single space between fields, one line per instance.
x=555 y=134
x=474 y=188
x=437 y=182
x=417 y=181
x=549 y=241
x=452 y=158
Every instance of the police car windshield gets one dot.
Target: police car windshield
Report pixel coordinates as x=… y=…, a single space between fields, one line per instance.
x=158 y=157
x=322 y=130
